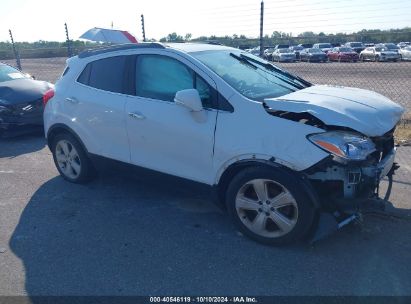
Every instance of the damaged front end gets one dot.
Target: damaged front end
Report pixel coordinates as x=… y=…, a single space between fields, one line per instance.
x=345 y=187
x=357 y=134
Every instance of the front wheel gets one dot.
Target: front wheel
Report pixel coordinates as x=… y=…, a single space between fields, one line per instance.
x=269 y=206
x=71 y=159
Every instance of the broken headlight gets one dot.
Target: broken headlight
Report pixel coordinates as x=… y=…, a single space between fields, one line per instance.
x=346 y=145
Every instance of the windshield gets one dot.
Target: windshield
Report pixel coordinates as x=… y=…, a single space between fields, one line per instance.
x=324 y=45
x=315 y=51
x=297 y=48
x=380 y=49
x=8 y=73
x=249 y=75
x=346 y=49
x=356 y=44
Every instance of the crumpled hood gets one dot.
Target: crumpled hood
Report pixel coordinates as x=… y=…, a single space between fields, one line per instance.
x=364 y=111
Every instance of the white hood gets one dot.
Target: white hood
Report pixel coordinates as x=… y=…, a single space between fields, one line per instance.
x=364 y=111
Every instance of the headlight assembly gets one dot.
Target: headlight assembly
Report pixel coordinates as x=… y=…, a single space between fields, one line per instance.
x=345 y=145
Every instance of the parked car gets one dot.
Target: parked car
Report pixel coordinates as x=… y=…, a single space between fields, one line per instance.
x=379 y=54
x=343 y=54
x=313 y=55
x=403 y=44
x=21 y=102
x=283 y=55
x=405 y=53
x=283 y=155
x=306 y=45
x=296 y=49
x=389 y=46
x=268 y=53
x=356 y=46
x=325 y=47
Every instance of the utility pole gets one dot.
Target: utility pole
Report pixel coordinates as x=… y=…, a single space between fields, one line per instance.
x=69 y=50
x=16 y=53
x=261 y=29
x=142 y=27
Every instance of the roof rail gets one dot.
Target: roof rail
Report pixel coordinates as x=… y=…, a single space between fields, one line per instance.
x=120 y=47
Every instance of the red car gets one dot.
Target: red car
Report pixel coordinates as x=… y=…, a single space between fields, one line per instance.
x=343 y=54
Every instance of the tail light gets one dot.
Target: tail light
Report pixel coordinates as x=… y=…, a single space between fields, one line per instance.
x=47 y=96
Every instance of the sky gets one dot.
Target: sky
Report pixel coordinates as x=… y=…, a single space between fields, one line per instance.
x=44 y=19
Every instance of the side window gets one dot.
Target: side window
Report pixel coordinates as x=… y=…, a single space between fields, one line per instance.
x=160 y=77
x=105 y=74
x=206 y=93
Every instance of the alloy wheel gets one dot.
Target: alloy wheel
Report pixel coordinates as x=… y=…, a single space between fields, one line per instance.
x=266 y=208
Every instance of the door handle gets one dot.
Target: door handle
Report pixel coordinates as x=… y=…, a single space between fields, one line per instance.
x=72 y=100
x=136 y=115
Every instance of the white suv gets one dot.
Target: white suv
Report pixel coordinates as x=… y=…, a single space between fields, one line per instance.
x=283 y=155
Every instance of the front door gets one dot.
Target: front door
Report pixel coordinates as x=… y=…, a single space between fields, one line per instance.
x=163 y=135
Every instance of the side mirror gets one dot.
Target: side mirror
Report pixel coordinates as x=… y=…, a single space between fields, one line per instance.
x=190 y=99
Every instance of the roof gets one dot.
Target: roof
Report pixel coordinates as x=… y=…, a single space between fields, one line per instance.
x=197 y=47
x=184 y=47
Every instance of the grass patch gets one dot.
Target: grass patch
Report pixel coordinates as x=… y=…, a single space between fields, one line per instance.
x=402 y=133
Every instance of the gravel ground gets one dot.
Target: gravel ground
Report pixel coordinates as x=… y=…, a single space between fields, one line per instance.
x=128 y=234
x=392 y=79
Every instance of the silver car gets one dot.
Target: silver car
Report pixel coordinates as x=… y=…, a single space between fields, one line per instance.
x=283 y=55
x=379 y=54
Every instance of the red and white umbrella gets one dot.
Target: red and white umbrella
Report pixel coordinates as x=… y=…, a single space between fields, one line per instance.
x=108 y=35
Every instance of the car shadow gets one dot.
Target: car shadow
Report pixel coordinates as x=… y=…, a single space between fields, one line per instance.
x=23 y=144
x=128 y=233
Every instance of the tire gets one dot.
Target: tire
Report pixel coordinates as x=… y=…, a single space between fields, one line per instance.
x=71 y=159
x=286 y=220
x=377 y=58
x=362 y=58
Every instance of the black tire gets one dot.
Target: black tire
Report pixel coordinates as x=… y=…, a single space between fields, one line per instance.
x=306 y=212
x=377 y=58
x=86 y=171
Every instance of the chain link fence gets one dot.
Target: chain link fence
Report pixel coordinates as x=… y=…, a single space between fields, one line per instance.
x=391 y=79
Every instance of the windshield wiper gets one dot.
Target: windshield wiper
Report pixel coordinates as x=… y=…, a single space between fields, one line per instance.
x=279 y=71
x=243 y=60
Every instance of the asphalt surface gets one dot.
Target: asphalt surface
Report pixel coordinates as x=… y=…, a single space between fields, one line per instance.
x=128 y=234
x=392 y=79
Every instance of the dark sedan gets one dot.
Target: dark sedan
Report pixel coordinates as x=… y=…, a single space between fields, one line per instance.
x=343 y=54
x=313 y=55
x=21 y=102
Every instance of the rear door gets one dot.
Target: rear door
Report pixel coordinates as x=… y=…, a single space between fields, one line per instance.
x=97 y=101
x=163 y=135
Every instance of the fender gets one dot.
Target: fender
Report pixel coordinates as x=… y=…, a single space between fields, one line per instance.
x=66 y=128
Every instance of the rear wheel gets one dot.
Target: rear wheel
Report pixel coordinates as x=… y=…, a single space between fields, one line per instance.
x=71 y=159
x=269 y=206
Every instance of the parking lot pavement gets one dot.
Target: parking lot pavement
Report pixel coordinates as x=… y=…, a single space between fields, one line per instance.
x=126 y=234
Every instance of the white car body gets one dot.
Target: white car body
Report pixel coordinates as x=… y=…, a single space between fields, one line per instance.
x=405 y=53
x=205 y=157
x=379 y=54
x=202 y=144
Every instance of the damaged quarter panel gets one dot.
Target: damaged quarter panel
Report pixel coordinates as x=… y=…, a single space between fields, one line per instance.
x=262 y=136
x=364 y=111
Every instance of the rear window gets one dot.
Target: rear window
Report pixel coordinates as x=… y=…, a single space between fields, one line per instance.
x=106 y=74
